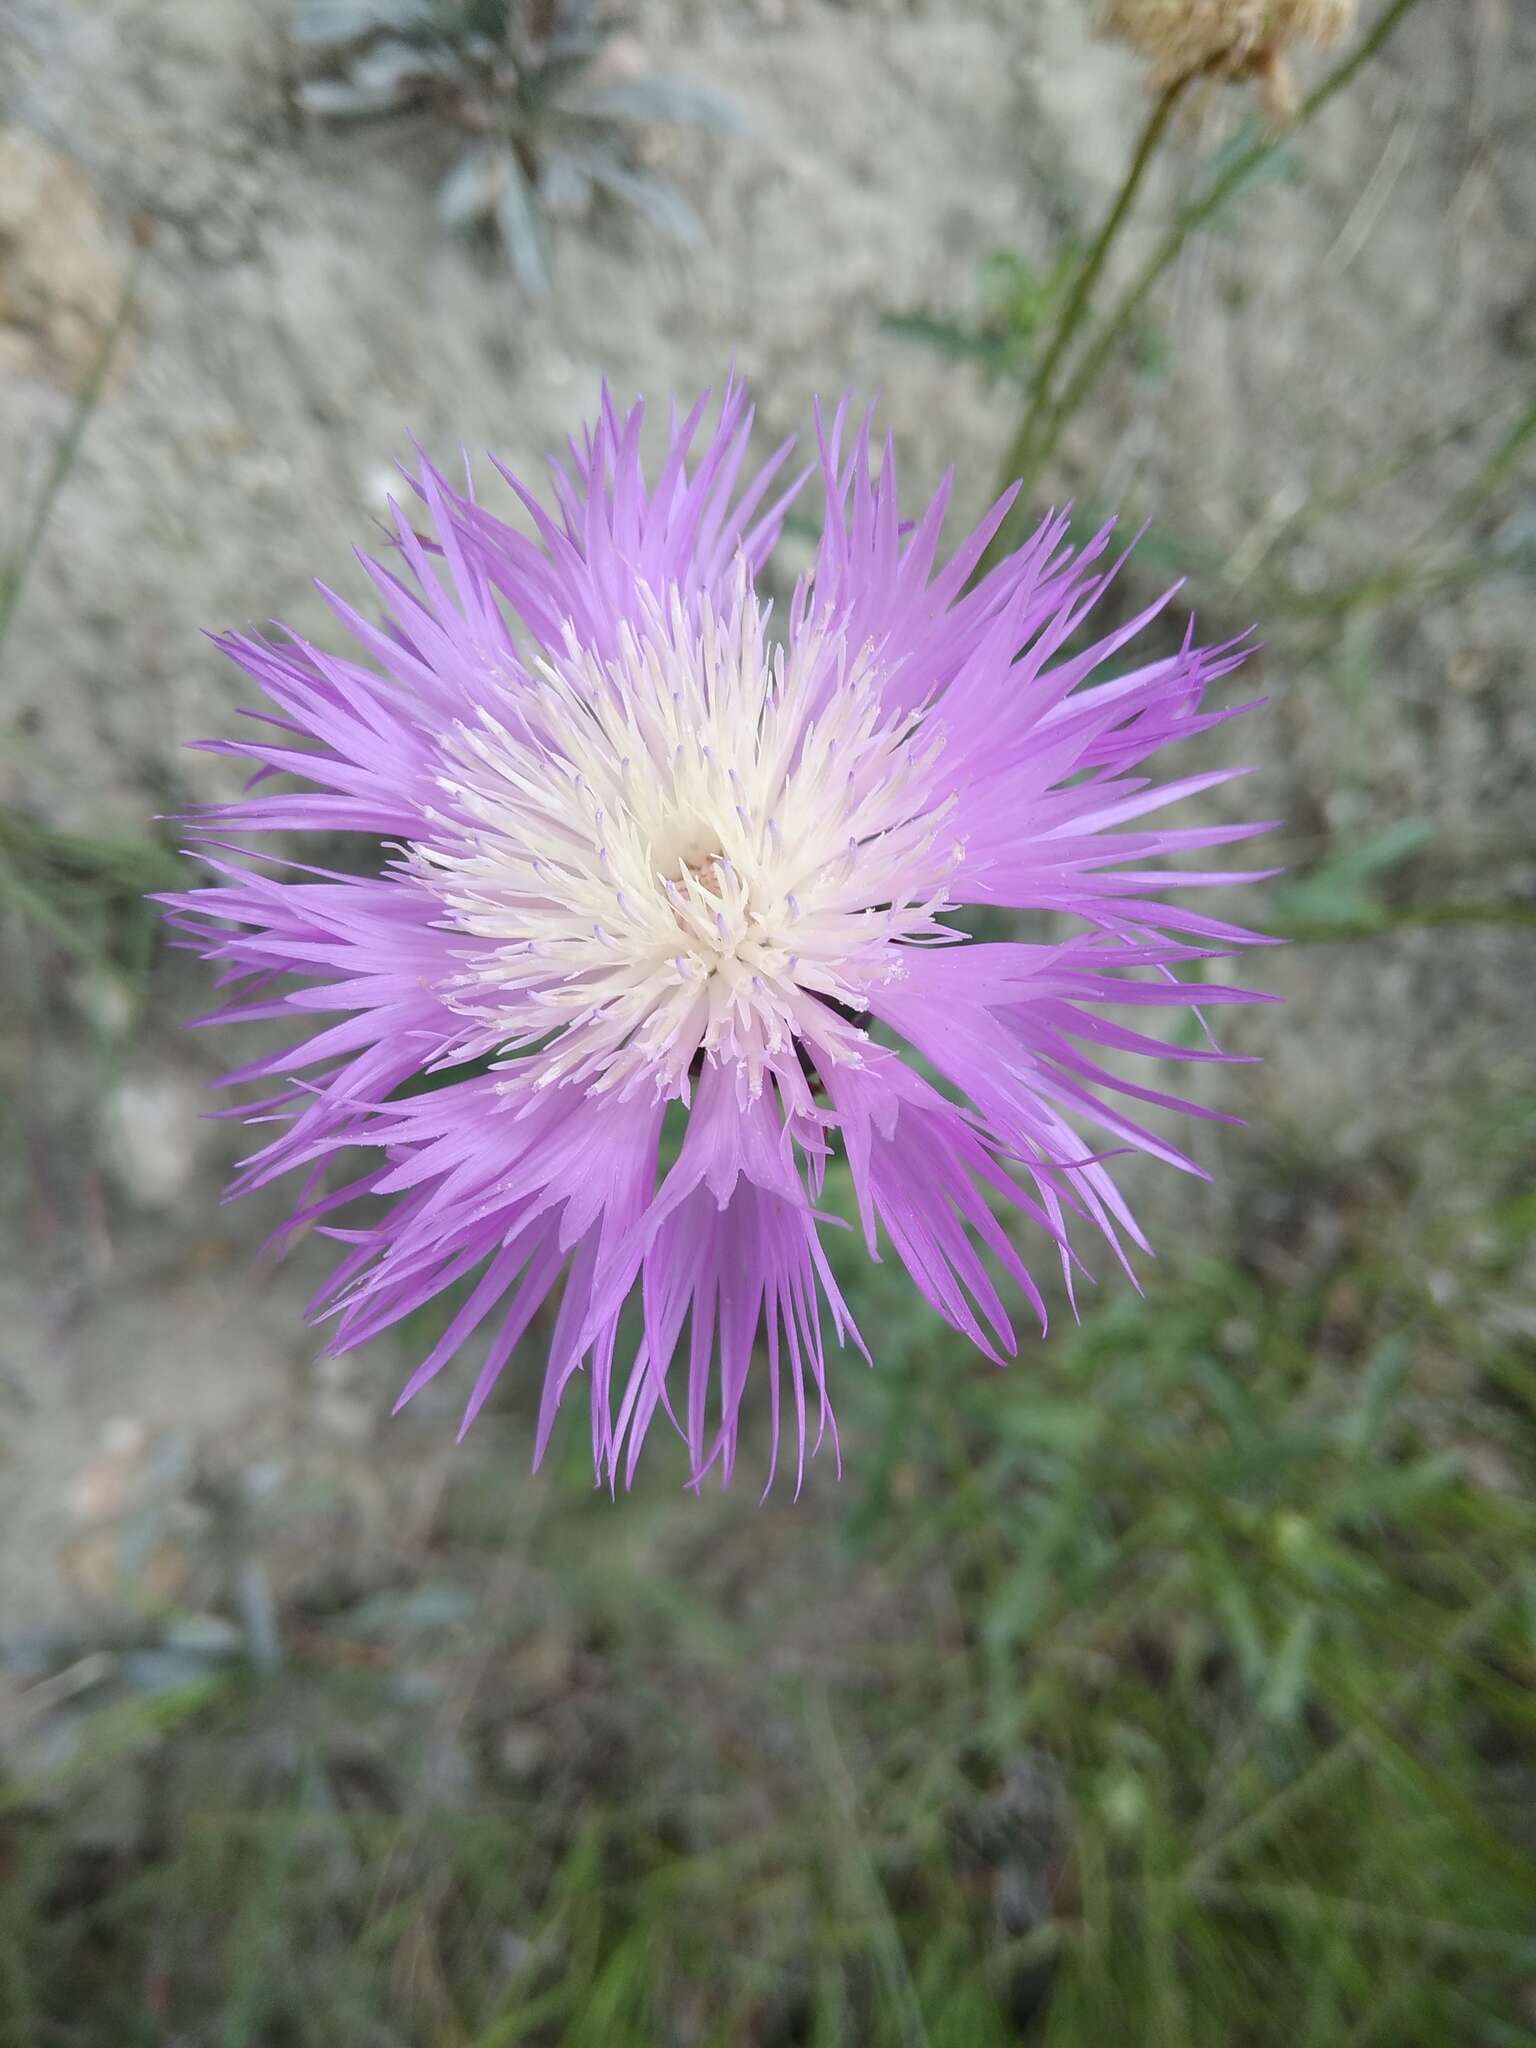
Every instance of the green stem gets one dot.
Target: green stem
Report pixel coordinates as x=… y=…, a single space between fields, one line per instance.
x=1493 y=472
x=1410 y=917
x=1017 y=462
x=1183 y=224
x=13 y=573
x=1382 y=585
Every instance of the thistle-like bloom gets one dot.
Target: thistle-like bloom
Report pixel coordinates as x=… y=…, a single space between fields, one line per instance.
x=648 y=863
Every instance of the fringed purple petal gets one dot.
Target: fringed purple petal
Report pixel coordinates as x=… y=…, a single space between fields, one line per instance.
x=927 y=740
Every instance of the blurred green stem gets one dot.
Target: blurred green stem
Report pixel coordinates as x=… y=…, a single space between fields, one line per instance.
x=1493 y=472
x=43 y=872
x=14 y=570
x=1409 y=917
x=1020 y=461
x=1393 y=579
x=1045 y=421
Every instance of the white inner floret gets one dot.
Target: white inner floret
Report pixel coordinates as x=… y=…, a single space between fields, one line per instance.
x=702 y=844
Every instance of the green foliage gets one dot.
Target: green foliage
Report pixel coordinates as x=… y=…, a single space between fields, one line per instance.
x=1342 y=897
x=1340 y=893
x=1015 y=304
x=549 y=134
x=85 y=893
x=1175 y=1687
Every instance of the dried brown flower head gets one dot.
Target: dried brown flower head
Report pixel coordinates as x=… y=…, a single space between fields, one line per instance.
x=1225 y=38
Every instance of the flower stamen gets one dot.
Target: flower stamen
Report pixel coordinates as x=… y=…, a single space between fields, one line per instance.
x=680 y=759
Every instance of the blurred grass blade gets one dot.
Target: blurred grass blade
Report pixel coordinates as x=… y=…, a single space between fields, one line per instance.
x=467 y=195
x=653 y=198
x=348 y=21
x=657 y=102
x=15 y=569
x=521 y=229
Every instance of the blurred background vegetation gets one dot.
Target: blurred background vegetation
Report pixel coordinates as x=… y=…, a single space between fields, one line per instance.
x=1174 y=1687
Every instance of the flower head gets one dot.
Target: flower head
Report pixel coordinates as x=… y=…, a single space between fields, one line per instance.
x=1229 y=38
x=642 y=853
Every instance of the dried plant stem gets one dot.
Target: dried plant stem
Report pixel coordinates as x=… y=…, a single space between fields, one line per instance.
x=1046 y=420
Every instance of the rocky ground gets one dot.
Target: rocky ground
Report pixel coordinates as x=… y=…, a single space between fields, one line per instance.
x=296 y=314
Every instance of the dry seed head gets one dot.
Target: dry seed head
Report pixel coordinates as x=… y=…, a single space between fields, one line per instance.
x=1229 y=38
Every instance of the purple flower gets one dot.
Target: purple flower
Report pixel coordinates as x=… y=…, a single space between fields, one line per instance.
x=642 y=854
